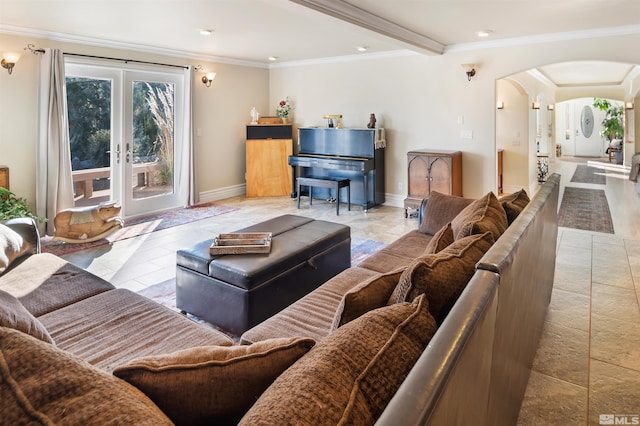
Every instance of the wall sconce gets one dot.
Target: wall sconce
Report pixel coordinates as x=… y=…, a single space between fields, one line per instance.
x=535 y=105
x=9 y=59
x=207 y=79
x=551 y=107
x=470 y=70
x=500 y=105
x=628 y=105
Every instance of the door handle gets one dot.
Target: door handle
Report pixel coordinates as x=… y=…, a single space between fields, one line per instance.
x=128 y=154
x=118 y=154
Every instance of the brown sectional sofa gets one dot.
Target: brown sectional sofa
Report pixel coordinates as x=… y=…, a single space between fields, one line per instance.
x=384 y=352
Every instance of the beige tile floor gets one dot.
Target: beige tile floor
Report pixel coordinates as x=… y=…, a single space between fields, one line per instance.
x=588 y=362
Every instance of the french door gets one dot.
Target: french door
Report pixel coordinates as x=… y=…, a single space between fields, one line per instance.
x=125 y=127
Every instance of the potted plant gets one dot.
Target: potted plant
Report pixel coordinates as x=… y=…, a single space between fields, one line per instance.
x=12 y=207
x=612 y=124
x=283 y=109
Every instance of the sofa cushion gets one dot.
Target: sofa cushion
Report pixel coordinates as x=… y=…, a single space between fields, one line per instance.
x=442 y=276
x=370 y=294
x=212 y=384
x=441 y=239
x=399 y=253
x=482 y=215
x=14 y=315
x=350 y=376
x=41 y=384
x=114 y=327
x=12 y=246
x=440 y=210
x=514 y=203
x=44 y=282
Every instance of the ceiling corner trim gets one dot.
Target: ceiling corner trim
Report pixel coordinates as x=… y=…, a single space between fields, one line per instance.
x=346 y=12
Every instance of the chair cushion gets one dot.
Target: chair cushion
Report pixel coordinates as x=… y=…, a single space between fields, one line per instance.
x=440 y=240
x=351 y=375
x=14 y=315
x=442 y=276
x=440 y=210
x=12 y=246
x=482 y=215
x=41 y=384
x=514 y=203
x=370 y=294
x=212 y=384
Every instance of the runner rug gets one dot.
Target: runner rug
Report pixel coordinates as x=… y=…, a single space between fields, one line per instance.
x=589 y=174
x=164 y=293
x=585 y=209
x=143 y=225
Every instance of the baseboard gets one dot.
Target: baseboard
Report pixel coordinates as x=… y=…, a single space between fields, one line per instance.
x=222 y=193
x=394 y=200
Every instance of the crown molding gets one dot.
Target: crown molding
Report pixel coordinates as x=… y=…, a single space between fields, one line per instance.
x=354 y=15
x=89 y=41
x=346 y=58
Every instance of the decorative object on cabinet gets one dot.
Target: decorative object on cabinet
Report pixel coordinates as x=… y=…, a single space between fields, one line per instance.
x=4 y=177
x=333 y=120
x=283 y=110
x=267 y=149
x=432 y=170
x=354 y=154
x=255 y=115
x=372 y=121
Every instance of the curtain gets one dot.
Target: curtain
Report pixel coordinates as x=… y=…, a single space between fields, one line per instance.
x=54 y=182
x=188 y=174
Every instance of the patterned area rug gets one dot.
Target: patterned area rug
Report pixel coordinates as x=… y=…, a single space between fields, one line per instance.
x=165 y=292
x=143 y=225
x=585 y=209
x=588 y=174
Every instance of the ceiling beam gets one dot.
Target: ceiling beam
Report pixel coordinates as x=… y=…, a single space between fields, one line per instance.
x=354 y=15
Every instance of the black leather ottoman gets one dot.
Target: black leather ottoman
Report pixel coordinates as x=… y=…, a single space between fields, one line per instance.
x=236 y=292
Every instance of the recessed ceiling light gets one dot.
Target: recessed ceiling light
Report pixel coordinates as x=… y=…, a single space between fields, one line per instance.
x=484 y=33
x=206 y=32
x=273 y=58
x=362 y=48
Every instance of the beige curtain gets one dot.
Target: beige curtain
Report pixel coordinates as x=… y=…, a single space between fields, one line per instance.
x=188 y=164
x=54 y=183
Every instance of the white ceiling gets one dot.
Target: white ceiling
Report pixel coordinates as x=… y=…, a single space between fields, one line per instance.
x=252 y=30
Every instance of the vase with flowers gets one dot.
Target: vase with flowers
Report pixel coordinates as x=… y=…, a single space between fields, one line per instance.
x=283 y=110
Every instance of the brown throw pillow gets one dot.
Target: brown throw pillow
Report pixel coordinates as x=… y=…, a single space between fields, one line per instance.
x=440 y=210
x=484 y=214
x=41 y=384
x=440 y=240
x=351 y=375
x=14 y=315
x=442 y=276
x=12 y=246
x=514 y=203
x=366 y=296
x=212 y=384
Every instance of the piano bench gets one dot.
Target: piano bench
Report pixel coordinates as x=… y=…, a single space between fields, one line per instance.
x=325 y=182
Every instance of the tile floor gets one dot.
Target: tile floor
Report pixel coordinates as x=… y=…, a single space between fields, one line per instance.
x=588 y=362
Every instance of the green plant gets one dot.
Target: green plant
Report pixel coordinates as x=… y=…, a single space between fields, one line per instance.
x=12 y=206
x=612 y=123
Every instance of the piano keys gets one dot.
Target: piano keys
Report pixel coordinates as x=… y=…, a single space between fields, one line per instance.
x=355 y=154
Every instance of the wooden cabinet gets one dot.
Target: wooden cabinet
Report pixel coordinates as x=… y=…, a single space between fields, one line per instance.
x=4 y=177
x=268 y=148
x=430 y=170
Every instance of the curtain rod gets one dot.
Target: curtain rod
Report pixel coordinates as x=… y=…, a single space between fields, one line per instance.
x=32 y=48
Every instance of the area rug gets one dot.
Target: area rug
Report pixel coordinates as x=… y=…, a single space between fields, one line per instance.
x=164 y=293
x=585 y=209
x=589 y=174
x=143 y=225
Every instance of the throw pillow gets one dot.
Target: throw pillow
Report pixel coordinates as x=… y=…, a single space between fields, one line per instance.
x=14 y=315
x=514 y=203
x=442 y=276
x=440 y=240
x=482 y=215
x=12 y=246
x=41 y=384
x=366 y=296
x=212 y=384
x=351 y=375
x=440 y=210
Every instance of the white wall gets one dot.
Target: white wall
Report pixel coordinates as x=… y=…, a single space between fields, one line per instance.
x=418 y=99
x=221 y=114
